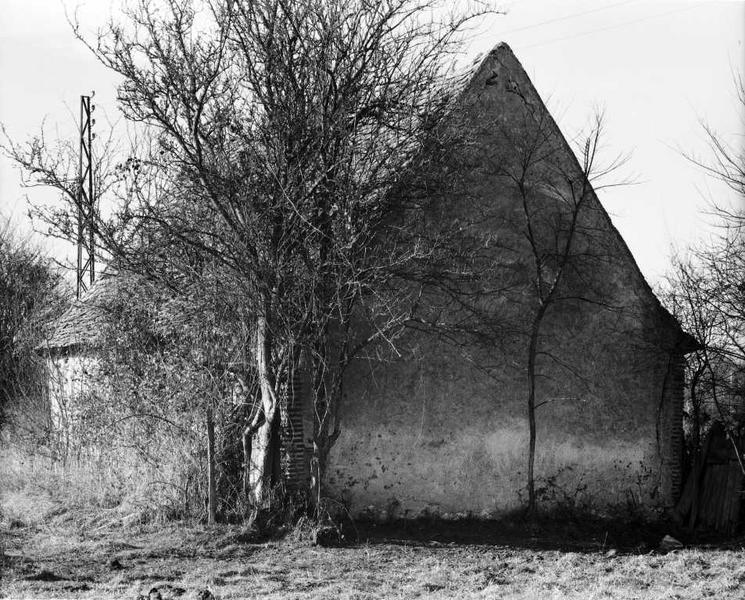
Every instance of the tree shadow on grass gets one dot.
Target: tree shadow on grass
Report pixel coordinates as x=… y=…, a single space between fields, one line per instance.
x=567 y=533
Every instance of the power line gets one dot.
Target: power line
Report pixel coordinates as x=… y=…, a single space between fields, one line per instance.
x=617 y=26
x=567 y=17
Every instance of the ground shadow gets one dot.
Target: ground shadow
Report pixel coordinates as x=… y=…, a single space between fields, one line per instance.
x=574 y=533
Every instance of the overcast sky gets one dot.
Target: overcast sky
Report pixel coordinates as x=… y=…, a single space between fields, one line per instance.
x=657 y=68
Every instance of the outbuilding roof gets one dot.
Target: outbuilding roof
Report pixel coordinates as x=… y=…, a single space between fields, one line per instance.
x=81 y=325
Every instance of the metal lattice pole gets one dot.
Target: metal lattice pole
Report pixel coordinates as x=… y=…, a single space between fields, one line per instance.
x=86 y=200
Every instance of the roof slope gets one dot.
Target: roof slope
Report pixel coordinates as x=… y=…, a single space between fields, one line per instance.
x=81 y=325
x=501 y=63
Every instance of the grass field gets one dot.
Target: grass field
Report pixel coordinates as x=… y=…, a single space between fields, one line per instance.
x=50 y=553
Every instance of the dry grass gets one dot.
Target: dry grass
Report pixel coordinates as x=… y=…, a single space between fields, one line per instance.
x=98 y=487
x=73 y=555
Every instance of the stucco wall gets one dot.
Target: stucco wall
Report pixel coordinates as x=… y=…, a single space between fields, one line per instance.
x=442 y=427
x=70 y=375
x=431 y=433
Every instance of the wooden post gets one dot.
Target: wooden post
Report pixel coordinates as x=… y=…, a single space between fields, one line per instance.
x=211 y=485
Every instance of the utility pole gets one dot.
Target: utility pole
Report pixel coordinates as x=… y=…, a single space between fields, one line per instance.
x=86 y=201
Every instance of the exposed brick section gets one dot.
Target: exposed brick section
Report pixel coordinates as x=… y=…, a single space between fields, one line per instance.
x=295 y=464
x=672 y=448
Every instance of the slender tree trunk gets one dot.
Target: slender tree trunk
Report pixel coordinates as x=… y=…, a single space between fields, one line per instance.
x=324 y=438
x=317 y=464
x=211 y=475
x=320 y=417
x=315 y=478
x=696 y=409
x=322 y=445
x=246 y=442
x=325 y=423
x=532 y=353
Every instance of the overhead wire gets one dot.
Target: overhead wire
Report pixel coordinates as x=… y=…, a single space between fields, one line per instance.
x=610 y=27
x=567 y=17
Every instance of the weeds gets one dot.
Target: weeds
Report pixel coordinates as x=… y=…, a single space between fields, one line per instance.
x=116 y=489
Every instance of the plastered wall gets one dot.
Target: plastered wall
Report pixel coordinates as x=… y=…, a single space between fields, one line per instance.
x=441 y=425
x=70 y=376
x=429 y=433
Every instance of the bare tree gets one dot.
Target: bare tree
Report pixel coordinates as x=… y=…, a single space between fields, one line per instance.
x=276 y=130
x=704 y=290
x=29 y=297
x=727 y=159
x=560 y=224
x=689 y=296
x=517 y=234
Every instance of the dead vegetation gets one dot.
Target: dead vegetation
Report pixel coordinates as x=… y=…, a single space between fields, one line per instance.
x=51 y=552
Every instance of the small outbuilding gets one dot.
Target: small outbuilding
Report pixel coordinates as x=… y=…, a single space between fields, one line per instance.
x=72 y=350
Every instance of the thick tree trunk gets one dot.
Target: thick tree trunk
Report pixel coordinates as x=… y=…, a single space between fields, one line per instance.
x=211 y=475
x=247 y=442
x=266 y=443
x=262 y=465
